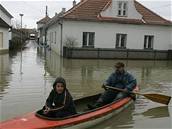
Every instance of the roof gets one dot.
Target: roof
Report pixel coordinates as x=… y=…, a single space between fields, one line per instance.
x=44 y=20
x=90 y=10
x=149 y=16
x=54 y=19
x=5 y=11
x=3 y=23
x=86 y=9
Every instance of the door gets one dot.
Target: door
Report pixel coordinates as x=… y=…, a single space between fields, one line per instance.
x=1 y=39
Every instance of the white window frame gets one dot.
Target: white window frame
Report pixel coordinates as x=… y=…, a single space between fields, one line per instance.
x=88 y=36
x=119 y=41
x=122 y=9
x=148 y=41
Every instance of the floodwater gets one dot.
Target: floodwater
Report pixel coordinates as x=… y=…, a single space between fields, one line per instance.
x=25 y=86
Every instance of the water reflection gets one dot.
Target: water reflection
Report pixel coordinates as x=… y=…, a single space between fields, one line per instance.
x=53 y=63
x=28 y=92
x=119 y=121
x=151 y=75
x=5 y=71
x=86 y=76
x=157 y=112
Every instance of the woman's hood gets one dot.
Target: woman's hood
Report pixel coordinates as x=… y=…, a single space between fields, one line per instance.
x=60 y=80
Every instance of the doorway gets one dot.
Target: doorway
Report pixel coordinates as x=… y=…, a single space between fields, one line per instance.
x=1 y=40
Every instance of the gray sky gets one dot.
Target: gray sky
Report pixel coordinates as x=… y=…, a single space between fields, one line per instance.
x=34 y=10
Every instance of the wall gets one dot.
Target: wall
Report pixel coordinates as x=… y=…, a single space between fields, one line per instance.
x=109 y=53
x=54 y=44
x=170 y=45
x=112 y=10
x=105 y=34
x=5 y=38
x=6 y=34
x=40 y=25
x=5 y=17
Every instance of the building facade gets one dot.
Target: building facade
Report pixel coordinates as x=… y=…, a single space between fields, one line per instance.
x=5 y=23
x=41 y=28
x=110 y=29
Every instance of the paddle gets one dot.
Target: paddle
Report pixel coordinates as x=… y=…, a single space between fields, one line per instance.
x=159 y=98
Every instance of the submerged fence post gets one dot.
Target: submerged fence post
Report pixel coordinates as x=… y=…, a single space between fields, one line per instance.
x=169 y=55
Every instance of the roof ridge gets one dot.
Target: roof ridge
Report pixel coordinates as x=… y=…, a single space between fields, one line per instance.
x=107 y=5
x=43 y=19
x=104 y=8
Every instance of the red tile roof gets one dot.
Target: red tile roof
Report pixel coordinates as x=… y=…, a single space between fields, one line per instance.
x=149 y=16
x=89 y=10
x=86 y=9
x=44 y=20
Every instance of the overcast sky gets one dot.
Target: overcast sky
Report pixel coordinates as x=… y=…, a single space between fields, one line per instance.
x=34 y=10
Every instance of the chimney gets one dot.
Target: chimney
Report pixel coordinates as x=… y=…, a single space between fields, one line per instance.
x=46 y=11
x=74 y=3
x=63 y=10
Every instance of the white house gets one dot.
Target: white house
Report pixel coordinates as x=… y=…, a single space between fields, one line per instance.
x=111 y=25
x=41 y=29
x=5 y=23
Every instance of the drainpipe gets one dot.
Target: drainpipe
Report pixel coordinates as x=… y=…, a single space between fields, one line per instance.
x=61 y=38
x=45 y=43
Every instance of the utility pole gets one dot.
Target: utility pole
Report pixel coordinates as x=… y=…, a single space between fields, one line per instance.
x=21 y=46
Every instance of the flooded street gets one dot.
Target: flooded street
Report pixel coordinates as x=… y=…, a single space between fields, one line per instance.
x=27 y=92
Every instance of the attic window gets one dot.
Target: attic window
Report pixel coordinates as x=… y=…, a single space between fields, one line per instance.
x=122 y=8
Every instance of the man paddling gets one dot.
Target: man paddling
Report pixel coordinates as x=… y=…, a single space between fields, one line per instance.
x=119 y=79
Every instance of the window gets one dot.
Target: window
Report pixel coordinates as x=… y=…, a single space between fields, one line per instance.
x=148 y=41
x=55 y=37
x=122 y=8
x=121 y=40
x=88 y=39
x=52 y=37
x=49 y=37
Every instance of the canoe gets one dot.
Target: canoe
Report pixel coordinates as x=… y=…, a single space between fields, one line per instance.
x=84 y=119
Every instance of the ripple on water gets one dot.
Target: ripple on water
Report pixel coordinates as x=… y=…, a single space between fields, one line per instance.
x=28 y=92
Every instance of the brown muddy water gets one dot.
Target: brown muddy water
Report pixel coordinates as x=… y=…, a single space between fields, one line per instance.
x=27 y=92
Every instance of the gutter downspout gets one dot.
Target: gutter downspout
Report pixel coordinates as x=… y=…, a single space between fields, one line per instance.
x=45 y=43
x=61 y=37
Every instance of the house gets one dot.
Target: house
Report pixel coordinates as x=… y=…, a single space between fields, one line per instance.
x=5 y=23
x=112 y=29
x=41 y=29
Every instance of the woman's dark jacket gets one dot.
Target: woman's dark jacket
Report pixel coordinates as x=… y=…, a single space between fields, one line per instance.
x=64 y=101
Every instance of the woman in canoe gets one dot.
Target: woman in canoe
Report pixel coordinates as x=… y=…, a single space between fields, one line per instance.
x=59 y=102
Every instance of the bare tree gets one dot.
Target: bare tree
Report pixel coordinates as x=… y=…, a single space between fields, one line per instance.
x=70 y=42
x=16 y=24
